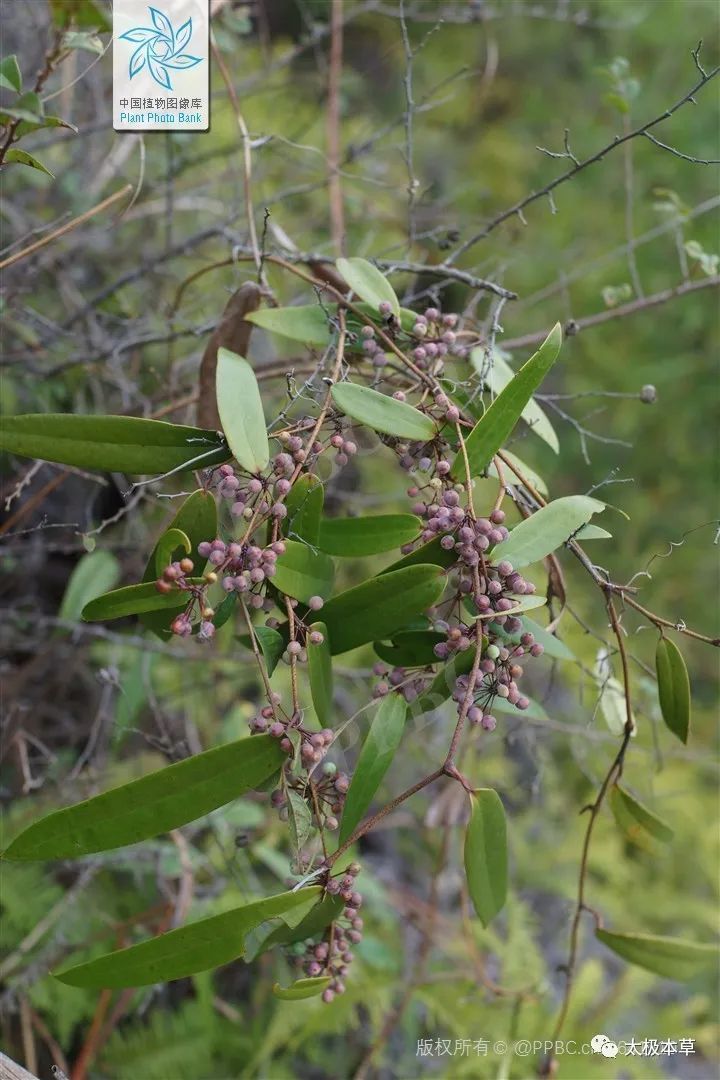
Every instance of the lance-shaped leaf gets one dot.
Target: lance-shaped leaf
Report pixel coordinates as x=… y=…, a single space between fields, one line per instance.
x=111 y=443
x=431 y=552
x=383 y=413
x=304 y=505
x=10 y=77
x=135 y=600
x=94 y=573
x=380 y=606
x=638 y=824
x=197 y=520
x=312 y=924
x=21 y=157
x=167 y=545
x=486 y=854
x=673 y=688
x=669 y=957
x=353 y=537
x=198 y=947
x=307 y=323
x=302 y=988
x=375 y=759
x=613 y=702
x=368 y=283
x=497 y=374
x=241 y=412
x=592 y=532
x=552 y=645
x=321 y=675
x=153 y=804
x=303 y=572
x=272 y=645
x=300 y=819
x=491 y=431
x=546 y=530
x=410 y=648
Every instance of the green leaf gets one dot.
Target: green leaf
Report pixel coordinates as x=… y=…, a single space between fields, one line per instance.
x=351 y=537
x=375 y=759
x=111 y=443
x=368 y=283
x=302 y=572
x=25 y=127
x=410 y=648
x=135 y=600
x=312 y=924
x=23 y=158
x=383 y=413
x=200 y=946
x=241 y=411
x=93 y=575
x=307 y=323
x=223 y=612
x=302 y=988
x=321 y=675
x=546 y=530
x=196 y=519
x=377 y=608
x=613 y=702
x=534 y=710
x=304 y=505
x=444 y=682
x=669 y=957
x=167 y=545
x=592 y=532
x=552 y=645
x=527 y=470
x=271 y=645
x=486 y=854
x=497 y=376
x=300 y=819
x=27 y=107
x=491 y=431
x=312 y=325
x=430 y=552
x=154 y=804
x=10 y=76
x=88 y=41
x=638 y=824
x=673 y=688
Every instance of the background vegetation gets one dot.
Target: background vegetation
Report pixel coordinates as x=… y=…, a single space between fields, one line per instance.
x=106 y=319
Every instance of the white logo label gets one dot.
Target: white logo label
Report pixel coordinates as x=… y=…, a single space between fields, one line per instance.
x=161 y=65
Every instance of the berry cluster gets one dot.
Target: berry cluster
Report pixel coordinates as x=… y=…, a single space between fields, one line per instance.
x=498 y=673
x=332 y=955
x=432 y=337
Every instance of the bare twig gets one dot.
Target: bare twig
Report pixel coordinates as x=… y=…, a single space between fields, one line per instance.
x=516 y=210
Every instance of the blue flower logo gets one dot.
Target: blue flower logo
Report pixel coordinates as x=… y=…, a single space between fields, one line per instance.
x=161 y=48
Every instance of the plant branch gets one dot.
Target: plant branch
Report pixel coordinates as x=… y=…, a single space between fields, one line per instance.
x=517 y=208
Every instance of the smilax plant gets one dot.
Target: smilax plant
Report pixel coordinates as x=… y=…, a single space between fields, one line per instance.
x=447 y=619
